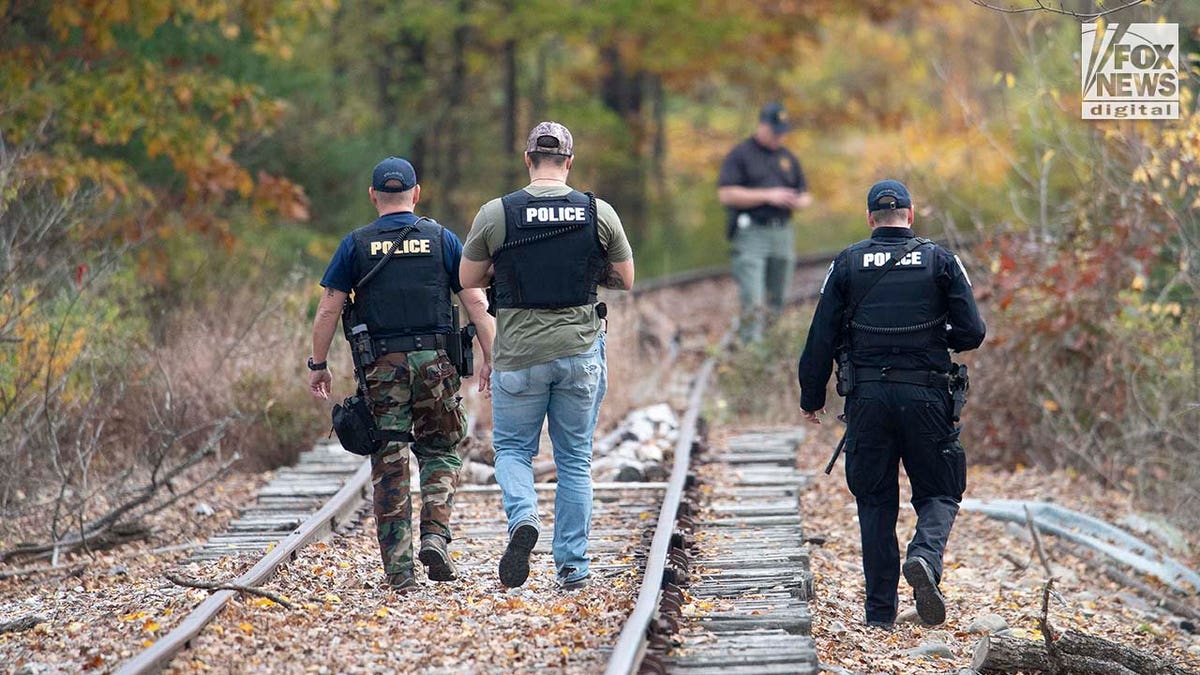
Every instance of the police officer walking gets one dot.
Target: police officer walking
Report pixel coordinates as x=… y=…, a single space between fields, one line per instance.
x=412 y=383
x=549 y=247
x=891 y=306
x=760 y=184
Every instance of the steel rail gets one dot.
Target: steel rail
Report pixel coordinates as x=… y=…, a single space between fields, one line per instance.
x=630 y=648
x=337 y=510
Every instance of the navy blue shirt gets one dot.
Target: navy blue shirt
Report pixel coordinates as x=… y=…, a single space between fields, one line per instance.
x=341 y=275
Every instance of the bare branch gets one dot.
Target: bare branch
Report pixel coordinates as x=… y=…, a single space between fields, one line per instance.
x=1041 y=6
x=1037 y=543
x=219 y=586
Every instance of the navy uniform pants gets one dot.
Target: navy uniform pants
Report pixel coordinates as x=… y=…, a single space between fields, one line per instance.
x=889 y=423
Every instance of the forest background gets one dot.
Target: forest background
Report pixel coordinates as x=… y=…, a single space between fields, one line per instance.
x=175 y=174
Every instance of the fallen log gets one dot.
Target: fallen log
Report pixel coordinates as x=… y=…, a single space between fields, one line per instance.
x=1079 y=654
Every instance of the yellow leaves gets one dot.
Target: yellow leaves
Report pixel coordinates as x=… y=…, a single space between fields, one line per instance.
x=429 y=617
x=382 y=613
x=1139 y=283
x=264 y=603
x=151 y=626
x=246 y=628
x=132 y=616
x=331 y=598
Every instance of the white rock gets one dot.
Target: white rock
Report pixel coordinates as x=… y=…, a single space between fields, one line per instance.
x=660 y=414
x=838 y=628
x=641 y=429
x=986 y=624
x=650 y=453
x=628 y=450
x=203 y=510
x=931 y=649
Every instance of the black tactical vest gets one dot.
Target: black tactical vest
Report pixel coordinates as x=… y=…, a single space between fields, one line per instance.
x=411 y=293
x=905 y=312
x=551 y=256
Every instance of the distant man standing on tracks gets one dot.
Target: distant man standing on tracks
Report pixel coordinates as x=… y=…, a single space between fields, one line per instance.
x=412 y=383
x=890 y=308
x=760 y=184
x=546 y=248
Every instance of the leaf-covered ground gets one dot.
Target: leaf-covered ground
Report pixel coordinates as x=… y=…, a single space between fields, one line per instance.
x=977 y=580
x=347 y=621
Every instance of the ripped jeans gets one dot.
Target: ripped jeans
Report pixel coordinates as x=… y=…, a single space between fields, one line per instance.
x=568 y=391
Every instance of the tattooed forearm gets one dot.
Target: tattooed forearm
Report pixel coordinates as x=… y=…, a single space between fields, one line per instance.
x=612 y=278
x=329 y=292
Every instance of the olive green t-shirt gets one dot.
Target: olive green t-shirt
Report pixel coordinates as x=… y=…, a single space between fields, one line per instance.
x=527 y=337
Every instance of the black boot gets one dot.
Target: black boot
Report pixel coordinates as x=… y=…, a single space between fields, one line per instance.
x=931 y=606
x=514 y=565
x=436 y=558
x=402 y=582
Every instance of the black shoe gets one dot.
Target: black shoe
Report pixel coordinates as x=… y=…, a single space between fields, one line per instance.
x=435 y=557
x=402 y=582
x=931 y=606
x=883 y=625
x=514 y=564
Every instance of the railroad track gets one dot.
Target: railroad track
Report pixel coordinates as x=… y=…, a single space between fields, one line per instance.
x=700 y=607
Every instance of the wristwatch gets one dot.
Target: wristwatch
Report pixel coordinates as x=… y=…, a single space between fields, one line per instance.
x=316 y=366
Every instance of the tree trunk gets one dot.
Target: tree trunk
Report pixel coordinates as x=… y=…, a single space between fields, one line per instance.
x=1079 y=654
x=509 y=144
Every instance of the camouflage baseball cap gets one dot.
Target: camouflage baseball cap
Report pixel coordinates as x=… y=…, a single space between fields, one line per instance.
x=550 y=138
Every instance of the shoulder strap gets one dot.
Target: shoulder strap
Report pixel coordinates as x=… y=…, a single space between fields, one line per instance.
x=908 y=248
x=388 y=256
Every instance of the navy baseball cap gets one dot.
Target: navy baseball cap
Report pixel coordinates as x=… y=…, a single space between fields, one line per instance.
x=888 y=194
x=394 y=168
x=775 y=116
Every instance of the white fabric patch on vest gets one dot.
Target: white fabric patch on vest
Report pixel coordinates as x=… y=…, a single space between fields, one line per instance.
x=964 y=271
x=827 y=275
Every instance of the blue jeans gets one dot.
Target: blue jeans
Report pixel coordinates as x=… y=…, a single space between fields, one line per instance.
x=568 y=390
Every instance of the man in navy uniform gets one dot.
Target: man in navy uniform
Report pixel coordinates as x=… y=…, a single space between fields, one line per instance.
x=891 y=324
x=412 y=384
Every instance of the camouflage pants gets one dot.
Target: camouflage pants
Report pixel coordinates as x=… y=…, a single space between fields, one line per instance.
x=415 y=391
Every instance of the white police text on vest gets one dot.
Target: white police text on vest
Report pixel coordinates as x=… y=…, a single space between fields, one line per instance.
x=407 y=247
x=880 y=258
x=555 y=214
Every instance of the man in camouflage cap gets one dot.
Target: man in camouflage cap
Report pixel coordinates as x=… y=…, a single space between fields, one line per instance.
x=547 y=247
x=412 y=383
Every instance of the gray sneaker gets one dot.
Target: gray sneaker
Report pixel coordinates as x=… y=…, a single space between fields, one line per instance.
x=931 y=606
x=576 y=584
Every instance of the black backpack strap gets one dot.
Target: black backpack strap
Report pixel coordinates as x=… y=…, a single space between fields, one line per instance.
x=391 y=251
x=909 y=247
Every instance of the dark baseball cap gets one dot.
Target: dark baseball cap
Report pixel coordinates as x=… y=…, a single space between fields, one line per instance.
x=888 y=194
x=550 y=138
x=394 y=168
x=775 y=116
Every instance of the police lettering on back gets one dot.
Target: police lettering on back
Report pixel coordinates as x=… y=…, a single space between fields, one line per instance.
x=407 y=247
x=877 y=259
x=555 y=214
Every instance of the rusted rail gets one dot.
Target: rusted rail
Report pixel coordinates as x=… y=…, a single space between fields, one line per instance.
x=630 y=649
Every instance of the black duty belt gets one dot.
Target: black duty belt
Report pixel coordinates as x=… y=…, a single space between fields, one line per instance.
x=921 y=378
x=410 y=343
